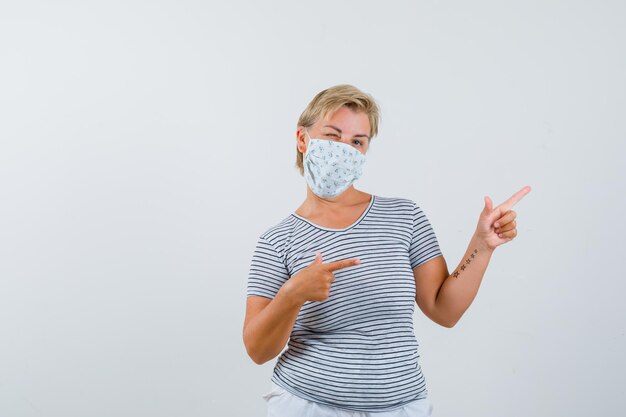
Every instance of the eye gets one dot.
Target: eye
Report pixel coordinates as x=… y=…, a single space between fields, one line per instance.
x=332 y=135
x=357 y=142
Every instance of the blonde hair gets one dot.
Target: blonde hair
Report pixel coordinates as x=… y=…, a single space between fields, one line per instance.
x=332 y=99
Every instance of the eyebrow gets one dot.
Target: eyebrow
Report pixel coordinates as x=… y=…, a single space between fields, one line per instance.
x=361 y=135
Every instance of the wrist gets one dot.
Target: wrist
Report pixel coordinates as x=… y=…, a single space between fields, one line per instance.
x=480 y=243
x=290 y=294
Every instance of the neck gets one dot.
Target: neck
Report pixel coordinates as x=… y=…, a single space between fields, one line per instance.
x=349 y=197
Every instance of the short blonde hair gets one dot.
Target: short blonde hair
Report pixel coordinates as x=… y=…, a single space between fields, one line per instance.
x=332 y=99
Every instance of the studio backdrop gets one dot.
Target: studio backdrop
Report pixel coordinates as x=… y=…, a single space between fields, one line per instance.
x=145 y=145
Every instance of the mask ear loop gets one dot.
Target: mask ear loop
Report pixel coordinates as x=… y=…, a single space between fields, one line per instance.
x=306 y=130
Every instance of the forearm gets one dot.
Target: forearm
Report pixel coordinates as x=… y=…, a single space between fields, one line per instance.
x=268 y=333
x=459 y=289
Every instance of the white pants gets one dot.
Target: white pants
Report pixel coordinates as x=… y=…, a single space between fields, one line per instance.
x=282 y=403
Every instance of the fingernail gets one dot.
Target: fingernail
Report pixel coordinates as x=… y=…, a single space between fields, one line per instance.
x=497 y=224
x=358 y=261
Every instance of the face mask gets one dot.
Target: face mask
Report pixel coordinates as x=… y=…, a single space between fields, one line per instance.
x=330 y=167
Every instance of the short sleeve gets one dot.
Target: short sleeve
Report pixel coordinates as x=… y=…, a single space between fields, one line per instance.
x=267 y=270
x=424 y=244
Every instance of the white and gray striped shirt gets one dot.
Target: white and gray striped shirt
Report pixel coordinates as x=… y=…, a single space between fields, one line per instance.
x=355 y=350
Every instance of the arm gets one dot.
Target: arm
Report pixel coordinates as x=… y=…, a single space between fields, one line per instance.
x=268 y=324
x=444 y=297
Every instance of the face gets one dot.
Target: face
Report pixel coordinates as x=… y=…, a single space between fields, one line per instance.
x=344 y=126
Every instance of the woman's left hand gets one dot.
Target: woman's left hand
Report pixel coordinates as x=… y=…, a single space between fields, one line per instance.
x=497 y=226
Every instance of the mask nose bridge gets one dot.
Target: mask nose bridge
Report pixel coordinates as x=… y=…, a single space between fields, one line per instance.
x=347 y=141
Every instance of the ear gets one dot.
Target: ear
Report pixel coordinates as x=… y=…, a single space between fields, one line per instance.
x=301 y=140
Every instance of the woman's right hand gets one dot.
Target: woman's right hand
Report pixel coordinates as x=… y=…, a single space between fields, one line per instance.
x=313 y=282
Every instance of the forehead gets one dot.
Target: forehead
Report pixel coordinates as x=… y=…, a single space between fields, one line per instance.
x=347 y=120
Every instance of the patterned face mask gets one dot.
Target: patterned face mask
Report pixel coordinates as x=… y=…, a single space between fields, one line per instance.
x=330 y=167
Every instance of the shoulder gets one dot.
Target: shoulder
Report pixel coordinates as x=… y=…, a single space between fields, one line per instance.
x=277 y=234
x=401 y=208
x=395 y=204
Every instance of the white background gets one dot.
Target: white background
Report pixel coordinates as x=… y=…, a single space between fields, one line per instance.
x=145 y=145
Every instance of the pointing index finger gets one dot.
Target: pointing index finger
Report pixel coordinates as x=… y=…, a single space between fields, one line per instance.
x=344 y=263
x=514 y=199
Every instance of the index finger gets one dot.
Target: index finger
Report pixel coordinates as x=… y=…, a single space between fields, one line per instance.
x=514 y=199
x=344 y=263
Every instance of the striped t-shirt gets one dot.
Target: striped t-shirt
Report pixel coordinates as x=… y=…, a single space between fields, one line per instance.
x=355 y=350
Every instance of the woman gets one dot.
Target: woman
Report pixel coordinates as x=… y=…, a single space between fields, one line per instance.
x=339 y=278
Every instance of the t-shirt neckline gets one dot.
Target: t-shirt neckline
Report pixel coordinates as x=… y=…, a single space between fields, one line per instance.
x=357 y=221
